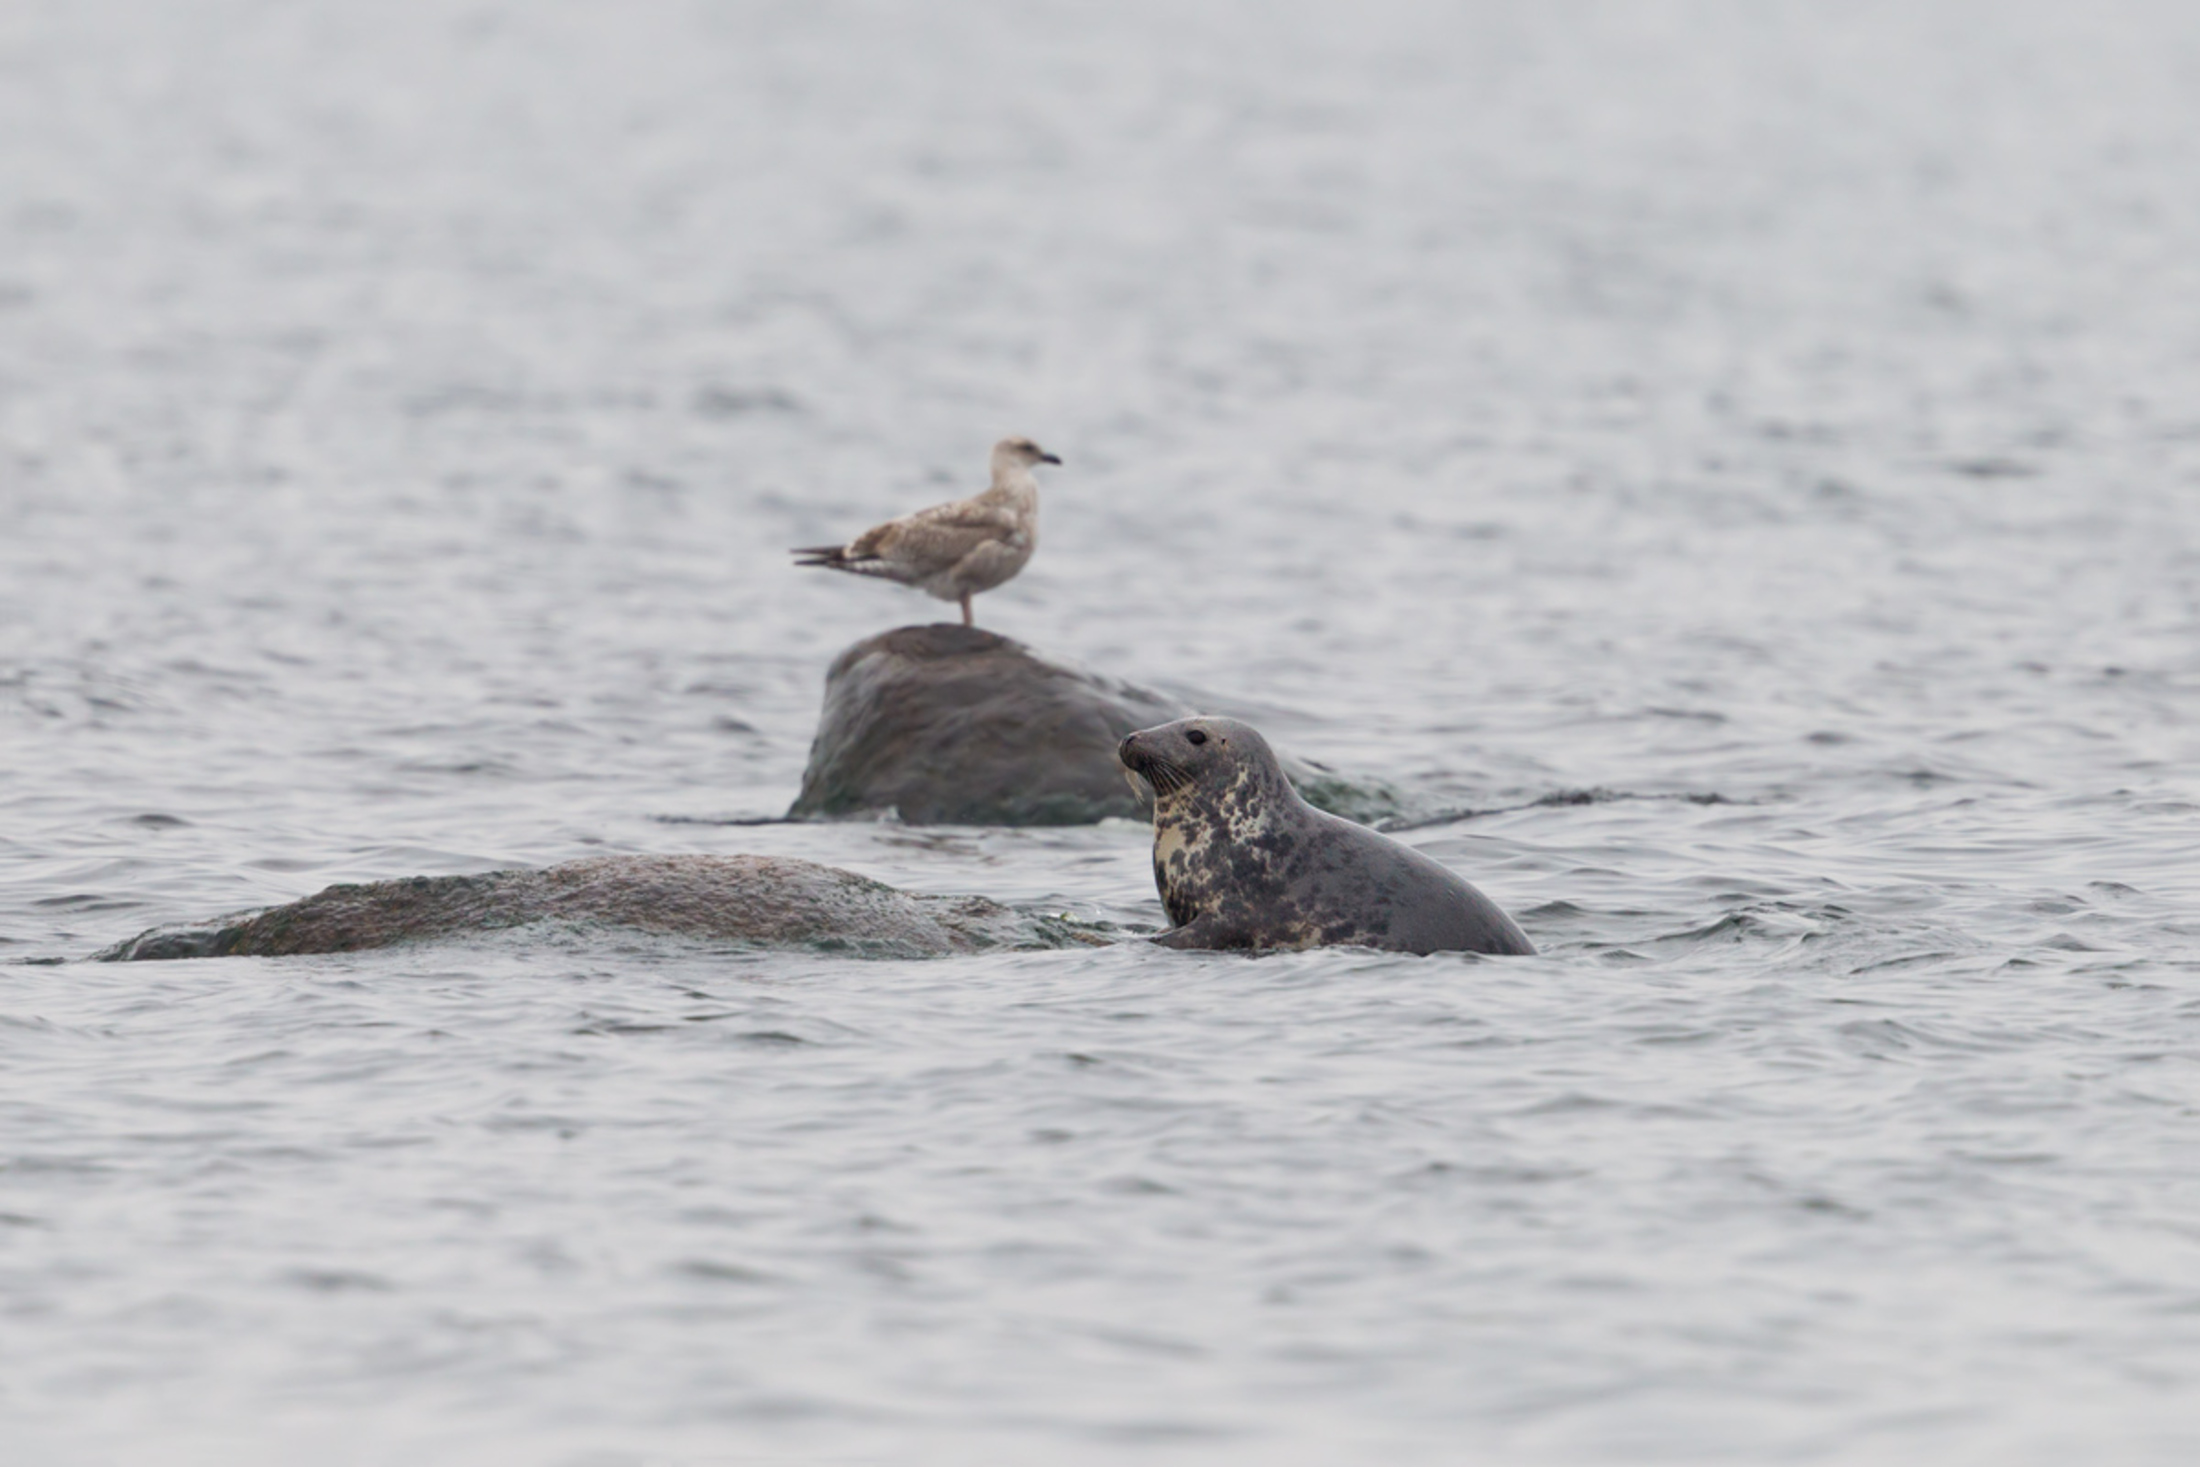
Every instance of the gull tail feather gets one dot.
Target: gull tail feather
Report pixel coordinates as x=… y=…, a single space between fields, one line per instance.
x=836 y=557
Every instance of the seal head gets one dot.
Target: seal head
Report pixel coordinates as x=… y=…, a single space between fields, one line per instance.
x=1242 y=862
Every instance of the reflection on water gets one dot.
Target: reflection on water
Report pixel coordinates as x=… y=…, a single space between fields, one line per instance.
x=1747 y=456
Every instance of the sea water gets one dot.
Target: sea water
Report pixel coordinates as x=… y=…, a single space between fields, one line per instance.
x=1733 y=469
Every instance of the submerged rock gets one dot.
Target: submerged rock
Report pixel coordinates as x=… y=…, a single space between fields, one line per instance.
x=765 y=900
x=952 y=725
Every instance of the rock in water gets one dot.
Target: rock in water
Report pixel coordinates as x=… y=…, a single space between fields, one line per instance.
x=765 y=900
x=952 y=725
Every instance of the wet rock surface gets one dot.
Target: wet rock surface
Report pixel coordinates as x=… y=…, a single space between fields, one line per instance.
x=952 y=725
x=762 y=900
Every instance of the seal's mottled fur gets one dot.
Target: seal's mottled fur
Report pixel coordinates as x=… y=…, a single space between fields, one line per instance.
x=1243 y=862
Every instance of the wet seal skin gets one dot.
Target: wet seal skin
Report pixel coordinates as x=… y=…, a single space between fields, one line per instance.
x=1243 y=862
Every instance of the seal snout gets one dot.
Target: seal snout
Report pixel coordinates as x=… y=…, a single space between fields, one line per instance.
x=1137 y=759
x=1139 y=754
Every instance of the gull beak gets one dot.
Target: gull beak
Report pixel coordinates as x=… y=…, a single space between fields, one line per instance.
x=1048 y=458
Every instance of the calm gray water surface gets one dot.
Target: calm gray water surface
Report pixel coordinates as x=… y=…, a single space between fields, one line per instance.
x=402 y=411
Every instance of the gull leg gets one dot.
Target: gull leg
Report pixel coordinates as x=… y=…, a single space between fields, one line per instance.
x=966 y=610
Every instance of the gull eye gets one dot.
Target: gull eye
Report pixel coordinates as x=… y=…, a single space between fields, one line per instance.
x=1195 y=736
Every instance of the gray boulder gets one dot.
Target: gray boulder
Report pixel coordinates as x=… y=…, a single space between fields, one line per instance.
x=953 y=725
x=766 y=901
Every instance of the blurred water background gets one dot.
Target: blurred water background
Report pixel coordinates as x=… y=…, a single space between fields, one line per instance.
x=1751 y=448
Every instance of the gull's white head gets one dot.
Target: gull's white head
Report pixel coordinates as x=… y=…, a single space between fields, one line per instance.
x=1019 y=453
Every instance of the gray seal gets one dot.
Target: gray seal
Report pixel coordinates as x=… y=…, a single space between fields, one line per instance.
x=1243 y=862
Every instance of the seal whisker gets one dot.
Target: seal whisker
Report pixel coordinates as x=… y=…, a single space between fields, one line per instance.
x=1165 y=777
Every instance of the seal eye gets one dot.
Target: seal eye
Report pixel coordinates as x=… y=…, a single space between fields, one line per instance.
x=1195 y=736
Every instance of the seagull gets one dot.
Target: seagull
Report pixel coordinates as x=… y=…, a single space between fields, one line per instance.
x=955 y=550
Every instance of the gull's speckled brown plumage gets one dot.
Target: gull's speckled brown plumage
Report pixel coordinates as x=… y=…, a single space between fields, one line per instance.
x=954 y=551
